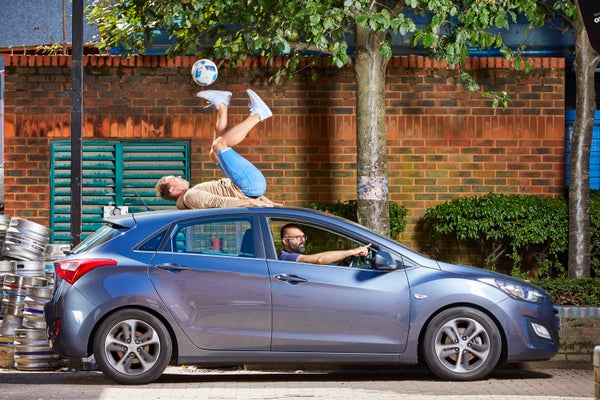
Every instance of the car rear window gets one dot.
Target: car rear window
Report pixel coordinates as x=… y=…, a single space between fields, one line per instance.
x=102 y=235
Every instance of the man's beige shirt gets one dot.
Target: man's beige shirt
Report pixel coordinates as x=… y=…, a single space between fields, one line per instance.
x=219 y=193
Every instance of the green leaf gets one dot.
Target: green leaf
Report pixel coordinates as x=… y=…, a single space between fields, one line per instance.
x=429 y=39
x=501 y=22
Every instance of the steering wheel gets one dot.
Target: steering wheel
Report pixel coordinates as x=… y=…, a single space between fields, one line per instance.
x=356 y=261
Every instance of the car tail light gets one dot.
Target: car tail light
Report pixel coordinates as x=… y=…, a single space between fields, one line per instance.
x=71 y=270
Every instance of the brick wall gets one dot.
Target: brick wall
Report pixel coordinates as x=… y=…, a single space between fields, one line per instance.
x=443 y=142
x=579 y=335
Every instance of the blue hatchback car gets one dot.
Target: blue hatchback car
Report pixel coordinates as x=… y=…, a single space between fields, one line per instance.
x=206 y=287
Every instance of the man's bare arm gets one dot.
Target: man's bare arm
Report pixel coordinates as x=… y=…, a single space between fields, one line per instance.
x=328 y=257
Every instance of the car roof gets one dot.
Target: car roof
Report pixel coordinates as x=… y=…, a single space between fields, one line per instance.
x=169 y=215
x=173 y=212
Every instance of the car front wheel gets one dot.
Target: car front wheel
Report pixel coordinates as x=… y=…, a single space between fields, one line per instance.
x=462 y=344
x=132 y=347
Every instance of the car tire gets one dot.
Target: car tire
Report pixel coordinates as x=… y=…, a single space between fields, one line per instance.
x=462 y=344
x=132 y=347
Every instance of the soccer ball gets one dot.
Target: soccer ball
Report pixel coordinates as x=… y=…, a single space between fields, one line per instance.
x=204 y=72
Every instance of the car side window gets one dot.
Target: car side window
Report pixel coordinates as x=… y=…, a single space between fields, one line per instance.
x=228 y=237
x=318 y=240
x=152 y=243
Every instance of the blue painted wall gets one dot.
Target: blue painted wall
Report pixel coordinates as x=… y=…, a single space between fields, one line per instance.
x=594 y=151
x=37 y=22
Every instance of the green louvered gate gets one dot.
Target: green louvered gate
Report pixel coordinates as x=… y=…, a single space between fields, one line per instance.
x=114 y=174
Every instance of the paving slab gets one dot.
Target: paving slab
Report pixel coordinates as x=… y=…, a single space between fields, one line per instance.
x=358 y=383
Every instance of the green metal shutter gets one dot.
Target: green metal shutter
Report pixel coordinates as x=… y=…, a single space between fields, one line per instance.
x=114 y=174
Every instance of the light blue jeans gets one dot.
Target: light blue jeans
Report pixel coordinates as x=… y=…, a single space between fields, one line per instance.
x=242 y=173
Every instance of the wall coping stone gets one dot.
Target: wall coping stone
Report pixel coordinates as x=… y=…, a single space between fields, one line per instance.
x=585 y=312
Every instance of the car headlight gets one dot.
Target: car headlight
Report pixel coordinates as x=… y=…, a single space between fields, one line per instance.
x=521 y=292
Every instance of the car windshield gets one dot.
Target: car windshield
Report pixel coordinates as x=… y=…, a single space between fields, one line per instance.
x=102 y=235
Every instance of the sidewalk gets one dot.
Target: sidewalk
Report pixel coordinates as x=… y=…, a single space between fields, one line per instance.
x=358 y=384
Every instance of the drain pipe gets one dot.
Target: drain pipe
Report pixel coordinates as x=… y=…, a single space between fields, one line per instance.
x=76 y=123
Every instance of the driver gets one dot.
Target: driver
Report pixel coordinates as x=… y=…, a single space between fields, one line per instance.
x=293 y=239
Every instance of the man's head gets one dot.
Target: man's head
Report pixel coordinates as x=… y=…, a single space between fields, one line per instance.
x=170 y=187
x=293 y=239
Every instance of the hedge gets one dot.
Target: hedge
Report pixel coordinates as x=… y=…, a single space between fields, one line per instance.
x=516 y=226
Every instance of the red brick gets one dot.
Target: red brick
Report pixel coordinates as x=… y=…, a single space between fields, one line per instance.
x=308 y=149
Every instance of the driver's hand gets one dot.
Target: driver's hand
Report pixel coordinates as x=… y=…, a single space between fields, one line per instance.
x=362 y=251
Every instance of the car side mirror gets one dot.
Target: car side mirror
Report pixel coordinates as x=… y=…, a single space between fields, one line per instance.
x=384 y=261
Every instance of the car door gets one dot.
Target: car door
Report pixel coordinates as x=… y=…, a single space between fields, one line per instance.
x=212 y=276
x=337 y=309
x=330 y=308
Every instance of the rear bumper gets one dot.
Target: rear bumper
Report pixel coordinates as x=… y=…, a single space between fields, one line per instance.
x=68 y=323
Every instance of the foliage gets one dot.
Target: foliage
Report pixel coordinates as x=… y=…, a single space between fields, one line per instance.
x=505 y=225
x=348 y=210
x=576 y=292
x=53 y=49
x=235 y=29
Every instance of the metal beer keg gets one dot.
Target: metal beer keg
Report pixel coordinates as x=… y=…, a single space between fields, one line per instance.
x=25 y=240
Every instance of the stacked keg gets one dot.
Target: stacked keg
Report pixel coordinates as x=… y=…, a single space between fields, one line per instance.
x=27 y=284
x=15 y=290
x=25 y=240
x=8 y=323
x=4 y=223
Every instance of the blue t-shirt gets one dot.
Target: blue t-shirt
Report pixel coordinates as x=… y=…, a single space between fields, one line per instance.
x=287 y=256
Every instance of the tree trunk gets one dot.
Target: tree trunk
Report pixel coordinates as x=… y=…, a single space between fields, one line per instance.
x=369 y=67
x=586 y=60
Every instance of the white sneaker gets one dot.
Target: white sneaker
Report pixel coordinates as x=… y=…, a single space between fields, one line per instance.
x=258 y=106
x=215 y=97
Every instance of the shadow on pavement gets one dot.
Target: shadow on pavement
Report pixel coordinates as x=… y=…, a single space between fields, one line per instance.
x=238 y=374
x=343 y=373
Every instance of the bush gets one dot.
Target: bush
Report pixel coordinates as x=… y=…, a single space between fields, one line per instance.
x=349 y=210
x=510 y=226
x=576 y=292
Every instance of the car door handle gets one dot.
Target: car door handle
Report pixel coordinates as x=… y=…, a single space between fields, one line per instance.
x=289 y=278
x=172 y=267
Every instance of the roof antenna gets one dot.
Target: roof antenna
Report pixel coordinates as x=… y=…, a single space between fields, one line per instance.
x=143 y=202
